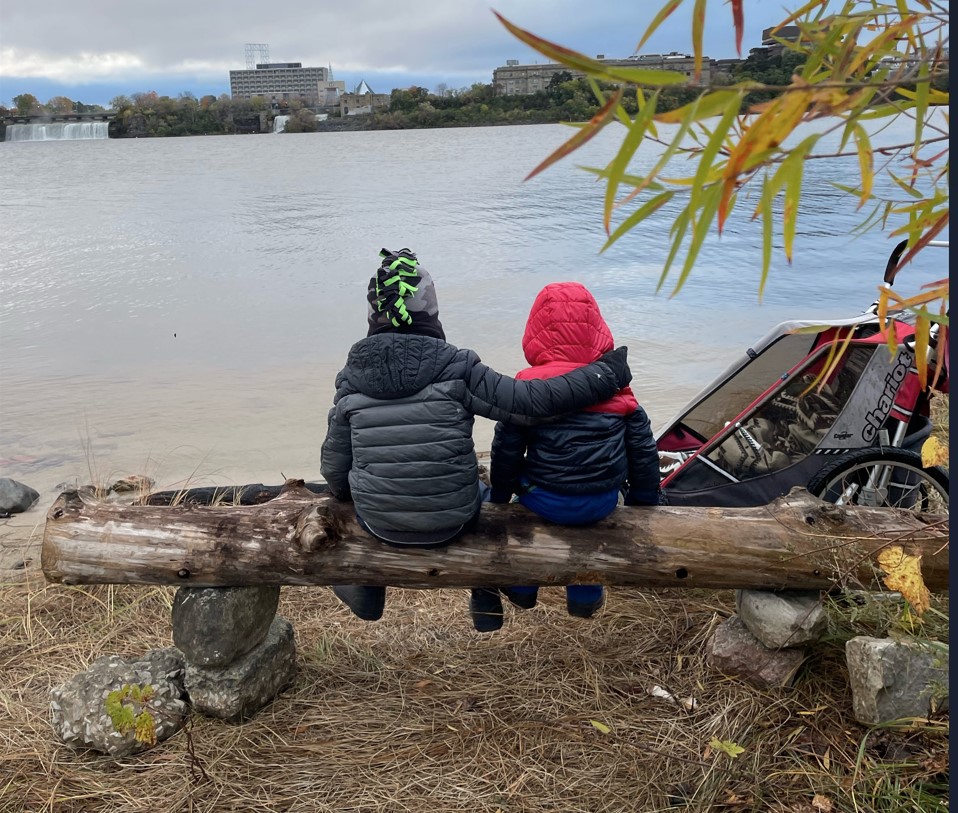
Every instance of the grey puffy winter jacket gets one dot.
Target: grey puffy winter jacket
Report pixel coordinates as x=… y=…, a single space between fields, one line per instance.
x=399 y=441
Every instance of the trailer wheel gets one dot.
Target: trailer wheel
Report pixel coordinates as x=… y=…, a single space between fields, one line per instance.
x=888 y=477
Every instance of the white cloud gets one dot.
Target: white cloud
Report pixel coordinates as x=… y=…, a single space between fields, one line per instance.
x=15 y=62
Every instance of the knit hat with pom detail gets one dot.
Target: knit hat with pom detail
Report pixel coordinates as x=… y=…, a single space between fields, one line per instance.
x=402 y=297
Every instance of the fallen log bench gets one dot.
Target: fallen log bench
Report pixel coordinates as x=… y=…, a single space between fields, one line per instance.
x=299 y=535
x=233 y=654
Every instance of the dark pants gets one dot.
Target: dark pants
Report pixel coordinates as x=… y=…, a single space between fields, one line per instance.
x=369 y=601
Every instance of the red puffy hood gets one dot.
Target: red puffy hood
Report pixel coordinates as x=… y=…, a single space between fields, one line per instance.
x=565 y=330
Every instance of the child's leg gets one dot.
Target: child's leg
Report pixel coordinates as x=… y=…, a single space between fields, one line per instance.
x=524 y=597
x=567 y=509
x=485 y=607
x=366 y=602
x=582 y=600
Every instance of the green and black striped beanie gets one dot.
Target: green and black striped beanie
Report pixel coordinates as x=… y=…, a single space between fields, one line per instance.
x=402 y=297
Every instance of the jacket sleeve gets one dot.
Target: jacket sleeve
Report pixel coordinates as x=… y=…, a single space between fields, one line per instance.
x=501 y=398
x=508 y=452
x=643 y=458
x=336 y=456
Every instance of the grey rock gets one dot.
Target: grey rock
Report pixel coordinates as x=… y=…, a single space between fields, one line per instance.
x=15 y=497
x=78 y=707
x=733 y=650
x=892 y=680
x=236 y=692
x=782 y=618
x=214 y=626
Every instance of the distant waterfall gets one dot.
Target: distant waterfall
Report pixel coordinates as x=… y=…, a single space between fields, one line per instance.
x=279 y=123
x=58 y=131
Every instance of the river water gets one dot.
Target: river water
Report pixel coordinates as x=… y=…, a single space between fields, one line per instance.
x=180 y=307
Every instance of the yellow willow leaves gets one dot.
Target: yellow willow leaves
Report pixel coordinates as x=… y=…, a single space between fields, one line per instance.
x=777 y=120
x=853 y=71
x=864 y=163
x=933 y=292
x=903 y=574
x=592 y=67
x=596 y=123
x=934 y=453
x=698 y=27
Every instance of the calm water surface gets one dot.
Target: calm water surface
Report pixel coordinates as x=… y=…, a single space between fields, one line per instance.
x=180 y=307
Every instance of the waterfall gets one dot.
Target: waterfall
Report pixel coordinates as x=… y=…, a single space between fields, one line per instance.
x=279 y=123
x=58 y=131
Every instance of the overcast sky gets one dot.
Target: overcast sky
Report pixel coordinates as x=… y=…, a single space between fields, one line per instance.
x=93 y=50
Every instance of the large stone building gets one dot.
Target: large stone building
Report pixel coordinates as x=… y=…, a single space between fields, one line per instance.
x=514 y=79
x=282 y=81
x=363 y=100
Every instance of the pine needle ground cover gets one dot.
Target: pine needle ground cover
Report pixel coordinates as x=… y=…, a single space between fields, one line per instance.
x=418 y=712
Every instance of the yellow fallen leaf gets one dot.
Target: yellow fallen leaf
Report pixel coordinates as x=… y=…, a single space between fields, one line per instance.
x=601 y=727
x=733 y=749
x=903 y=573
x=934 y=452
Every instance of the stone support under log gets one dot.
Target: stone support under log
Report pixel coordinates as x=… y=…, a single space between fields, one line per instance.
x=304 y=538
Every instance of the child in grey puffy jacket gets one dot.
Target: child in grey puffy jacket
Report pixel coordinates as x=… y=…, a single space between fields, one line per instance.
x=399 y=440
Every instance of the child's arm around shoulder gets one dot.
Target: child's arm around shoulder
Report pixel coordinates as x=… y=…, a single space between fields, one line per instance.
x=502 y=398
x=643 y=460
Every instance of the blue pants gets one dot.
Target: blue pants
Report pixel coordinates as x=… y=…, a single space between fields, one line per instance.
x=566 y=509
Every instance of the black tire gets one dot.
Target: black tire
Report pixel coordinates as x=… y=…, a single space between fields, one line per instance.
x=902 y=481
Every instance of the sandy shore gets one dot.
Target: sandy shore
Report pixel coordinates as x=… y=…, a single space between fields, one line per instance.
x=20 y=540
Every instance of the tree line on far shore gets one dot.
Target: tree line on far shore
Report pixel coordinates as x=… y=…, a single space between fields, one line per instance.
x=564 y=99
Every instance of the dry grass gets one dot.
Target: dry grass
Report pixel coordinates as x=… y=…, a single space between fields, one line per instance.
x=939 y=419
x=418 y=712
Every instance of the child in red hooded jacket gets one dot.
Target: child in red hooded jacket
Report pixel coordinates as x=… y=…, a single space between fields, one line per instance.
x=571 y=471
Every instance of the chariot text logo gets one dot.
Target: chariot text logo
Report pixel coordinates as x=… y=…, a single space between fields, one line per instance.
x=875 y=418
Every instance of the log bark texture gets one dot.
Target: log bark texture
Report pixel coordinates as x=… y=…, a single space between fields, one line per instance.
x=301 y=537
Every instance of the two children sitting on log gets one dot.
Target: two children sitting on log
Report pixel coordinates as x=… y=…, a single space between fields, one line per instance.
x=399 y=440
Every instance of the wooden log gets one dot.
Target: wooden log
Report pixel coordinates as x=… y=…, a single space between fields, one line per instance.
x=301 y=537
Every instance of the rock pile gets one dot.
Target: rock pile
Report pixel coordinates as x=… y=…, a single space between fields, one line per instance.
x=239 y=653
x=765 y=643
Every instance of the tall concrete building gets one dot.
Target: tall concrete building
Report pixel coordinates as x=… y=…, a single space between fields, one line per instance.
x=276 y=81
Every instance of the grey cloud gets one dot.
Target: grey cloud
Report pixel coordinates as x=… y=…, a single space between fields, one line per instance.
x=414 y=36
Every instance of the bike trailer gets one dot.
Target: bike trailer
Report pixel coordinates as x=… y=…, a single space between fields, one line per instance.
x=768 y=424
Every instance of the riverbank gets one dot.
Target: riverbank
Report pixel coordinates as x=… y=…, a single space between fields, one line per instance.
x=549 y=713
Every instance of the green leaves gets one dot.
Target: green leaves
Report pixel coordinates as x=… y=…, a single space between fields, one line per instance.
x=862 y=61
x=596 y=123
x=592 y=67
x=864 y=162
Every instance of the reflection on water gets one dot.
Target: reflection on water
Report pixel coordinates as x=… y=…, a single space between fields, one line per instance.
x=179 y=307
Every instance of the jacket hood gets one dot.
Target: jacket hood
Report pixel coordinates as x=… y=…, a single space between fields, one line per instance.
x=565 y=325
x=396 y=365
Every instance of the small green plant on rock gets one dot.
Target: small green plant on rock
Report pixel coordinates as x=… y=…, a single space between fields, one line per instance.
x=126 y=708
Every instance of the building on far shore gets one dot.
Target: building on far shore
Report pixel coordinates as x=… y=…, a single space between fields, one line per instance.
x=283 y=81
x=514 y=79
x=363 y=100
x=772 y=39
